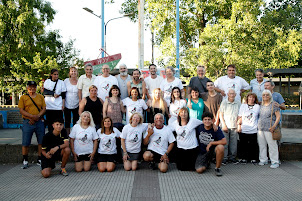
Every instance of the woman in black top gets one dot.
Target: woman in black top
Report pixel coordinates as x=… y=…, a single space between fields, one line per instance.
x=93 y=105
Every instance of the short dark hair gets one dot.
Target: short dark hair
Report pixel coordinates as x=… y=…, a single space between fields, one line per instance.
x=271 y=82
x=231 y=66
x=207 y=114
x=152 y=65
x=259 y=70
x=60 y=120
x=114 y=87
x=136 y=70
x=194 y=89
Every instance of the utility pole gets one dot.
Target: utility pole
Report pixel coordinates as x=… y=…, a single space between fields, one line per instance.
x=141 y=4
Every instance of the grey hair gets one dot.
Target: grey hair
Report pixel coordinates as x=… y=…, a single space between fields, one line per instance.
x=259 y=70
x=91 y=123
x=160 y=114
x=123 y=65
x=171 y=68
x=271 y=82
x=89 y=64
x=231 y=89
x=200 y=66
x=269 y=93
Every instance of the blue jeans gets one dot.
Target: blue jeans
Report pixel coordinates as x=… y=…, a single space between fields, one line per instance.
x=28 y=130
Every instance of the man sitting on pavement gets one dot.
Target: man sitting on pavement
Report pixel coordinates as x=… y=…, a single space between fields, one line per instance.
x=32 y=107
x=160 y=141
x=55 y=147
x=209 y=141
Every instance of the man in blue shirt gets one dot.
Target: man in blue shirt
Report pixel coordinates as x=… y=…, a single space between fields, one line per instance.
x=257 y=84
x=209 y=141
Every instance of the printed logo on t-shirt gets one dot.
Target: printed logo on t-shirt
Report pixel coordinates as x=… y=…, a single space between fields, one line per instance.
x=105 y=86
x=232 y=85
x=134 y=136
x=183 y=134
x=177 y=110
x=169 y=90
x=249 y=117
x=205 y=138
x=106 y=143
x=133 y=111
x=157 y=142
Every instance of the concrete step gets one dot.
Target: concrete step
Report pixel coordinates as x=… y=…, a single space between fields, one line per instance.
x=292 y=120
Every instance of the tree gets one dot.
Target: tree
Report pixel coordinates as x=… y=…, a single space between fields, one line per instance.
x=27 y=51
x=248 y=33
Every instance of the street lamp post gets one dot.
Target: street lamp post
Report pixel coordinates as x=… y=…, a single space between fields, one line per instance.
x=104 y=28
x=126 y=15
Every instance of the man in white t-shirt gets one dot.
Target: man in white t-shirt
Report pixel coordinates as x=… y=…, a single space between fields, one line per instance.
x=160 y=141
x=153 y=81
x=104 y=82
x=231 y=81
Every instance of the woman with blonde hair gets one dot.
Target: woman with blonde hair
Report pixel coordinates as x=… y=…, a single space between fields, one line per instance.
x=268 y=121
x=131 y=140
x=71 y=99
x=156 y=105
x=83 y=142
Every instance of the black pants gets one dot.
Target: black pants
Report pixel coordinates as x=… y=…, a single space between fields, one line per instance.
x=249 y=146
x=51 y=116
x=186 y=158
x=67 y=115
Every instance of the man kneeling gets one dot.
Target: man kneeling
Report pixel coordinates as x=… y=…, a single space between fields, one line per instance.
x=160 y=141
x=55 y=147
x=209 y=141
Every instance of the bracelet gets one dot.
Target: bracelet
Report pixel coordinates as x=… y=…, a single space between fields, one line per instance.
x=125 y=153
x=59 y=147
x=167 y=153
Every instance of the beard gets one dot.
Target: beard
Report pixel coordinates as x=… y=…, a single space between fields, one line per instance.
x=124 y=73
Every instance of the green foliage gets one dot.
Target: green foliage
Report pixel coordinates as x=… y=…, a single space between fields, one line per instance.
x=248 y=33
x=27 y=51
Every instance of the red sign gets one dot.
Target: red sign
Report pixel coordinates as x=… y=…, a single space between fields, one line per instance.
x=104 y=60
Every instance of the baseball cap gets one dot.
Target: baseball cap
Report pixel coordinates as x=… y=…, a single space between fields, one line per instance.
x=31 y=83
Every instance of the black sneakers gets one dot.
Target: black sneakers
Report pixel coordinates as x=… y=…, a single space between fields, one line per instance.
x=218 y=172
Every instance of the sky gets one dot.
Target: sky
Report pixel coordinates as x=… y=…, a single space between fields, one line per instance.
x=122 y=34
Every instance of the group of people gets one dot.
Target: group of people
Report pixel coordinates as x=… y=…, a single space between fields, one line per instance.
x=113 y=116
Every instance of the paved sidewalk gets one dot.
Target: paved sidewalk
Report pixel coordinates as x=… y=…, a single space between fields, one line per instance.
x=239 y=182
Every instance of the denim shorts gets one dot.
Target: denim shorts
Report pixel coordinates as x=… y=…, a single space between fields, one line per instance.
x=28 y=130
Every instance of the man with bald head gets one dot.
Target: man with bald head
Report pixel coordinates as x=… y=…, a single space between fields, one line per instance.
x=104 y=82
x=229 y=110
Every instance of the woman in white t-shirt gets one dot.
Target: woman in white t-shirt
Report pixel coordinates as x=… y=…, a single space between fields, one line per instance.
x=134 y=104
x=248 y=127
x=171 y=81
x=54 y=92
x=131 y=140
x=187 y=144
x=71 y=99
x=83 y=142
x=177 y=102
x=107 y=148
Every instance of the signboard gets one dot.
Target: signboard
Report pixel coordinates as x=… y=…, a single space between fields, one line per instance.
x=111 y=61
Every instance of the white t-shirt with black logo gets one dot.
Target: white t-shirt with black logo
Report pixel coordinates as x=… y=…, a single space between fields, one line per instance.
x=174 y=109
x=134 y=106
x=250 y=115
x=133 y=137
x=186 y=135
x=167 y=87
x=83 y=139
x=160 y=140
x=108 y=142
x=104 y=84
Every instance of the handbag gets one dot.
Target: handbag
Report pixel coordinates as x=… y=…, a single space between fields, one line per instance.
x=50 y=93
x=277 y=135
